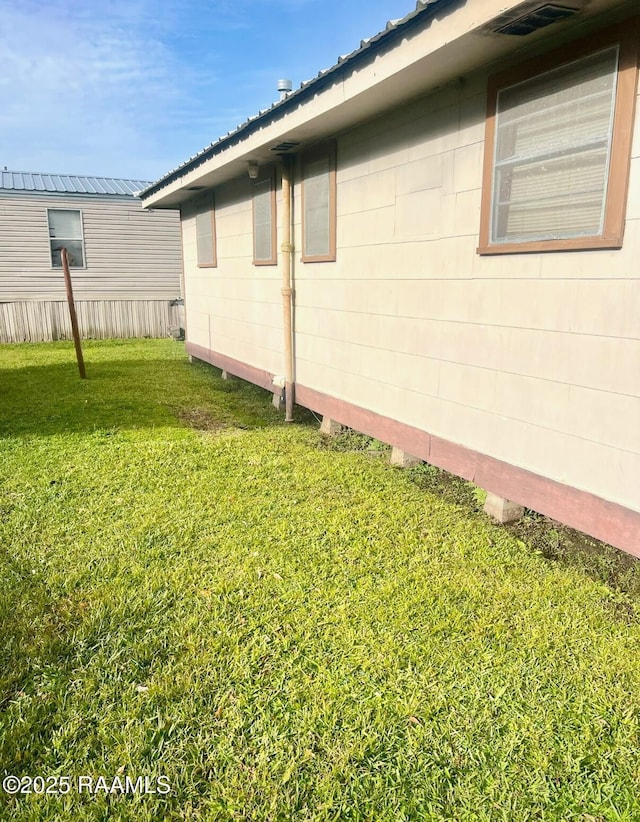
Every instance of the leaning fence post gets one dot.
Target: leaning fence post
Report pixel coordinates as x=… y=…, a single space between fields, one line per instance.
x=72 y=312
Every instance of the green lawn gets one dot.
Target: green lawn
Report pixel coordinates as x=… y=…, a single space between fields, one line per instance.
x=190 y=588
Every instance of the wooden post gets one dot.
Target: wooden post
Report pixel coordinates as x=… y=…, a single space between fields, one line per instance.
x=72 y=312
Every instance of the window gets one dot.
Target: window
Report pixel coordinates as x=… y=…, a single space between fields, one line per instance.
x=557 y=149
x=319 y=205
x=264 y=222
x=65 y=231
x=206 y=232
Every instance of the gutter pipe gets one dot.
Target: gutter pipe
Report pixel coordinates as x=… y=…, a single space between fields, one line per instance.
x=287 y=290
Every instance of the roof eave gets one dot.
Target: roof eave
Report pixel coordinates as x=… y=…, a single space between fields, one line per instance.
x=425 y=10
x=438 y=47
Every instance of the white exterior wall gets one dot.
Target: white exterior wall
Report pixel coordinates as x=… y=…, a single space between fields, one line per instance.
x=132 y=273
x=533 y=359
x=234 y=308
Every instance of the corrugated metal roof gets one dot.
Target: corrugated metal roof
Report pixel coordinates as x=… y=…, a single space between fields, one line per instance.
x=368 y=46
x=68 y=184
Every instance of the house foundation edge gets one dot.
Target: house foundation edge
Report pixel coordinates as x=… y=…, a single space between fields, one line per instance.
x=594 y=516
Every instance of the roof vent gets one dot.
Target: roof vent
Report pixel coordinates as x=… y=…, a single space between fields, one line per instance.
x=285 y=145
x=533 y=20
x=284 y=87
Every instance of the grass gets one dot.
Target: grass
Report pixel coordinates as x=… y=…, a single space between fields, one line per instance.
x=286 y=628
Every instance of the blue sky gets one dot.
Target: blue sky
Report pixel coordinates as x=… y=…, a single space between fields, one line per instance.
x=132 y=88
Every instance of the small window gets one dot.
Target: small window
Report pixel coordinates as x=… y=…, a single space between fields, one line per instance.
x=264 y=222
x=319 y=205
x=557 y=151
x=206 y=232
x=65 y=231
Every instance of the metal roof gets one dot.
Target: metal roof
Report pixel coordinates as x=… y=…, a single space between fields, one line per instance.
x=69 y=184
x=368 y=48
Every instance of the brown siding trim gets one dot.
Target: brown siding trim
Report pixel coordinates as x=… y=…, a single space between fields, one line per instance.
x=597 y=517
x=607 y=521
x=250 y=373
x=324 y=150
x=626 y=34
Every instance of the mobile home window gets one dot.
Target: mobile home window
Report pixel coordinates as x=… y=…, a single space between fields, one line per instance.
x=206 y=232
x=319 y=205
x=264 y=222
x=557 y=152
x=65 y=231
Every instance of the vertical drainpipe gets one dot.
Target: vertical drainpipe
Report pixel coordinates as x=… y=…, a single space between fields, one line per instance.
x=287 y=290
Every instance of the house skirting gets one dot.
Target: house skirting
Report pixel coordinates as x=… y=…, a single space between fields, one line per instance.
x=239 y=369
x=599 y=518
x=45 y=321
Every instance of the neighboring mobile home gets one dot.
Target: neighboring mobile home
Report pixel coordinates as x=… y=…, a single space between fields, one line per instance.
x=126 y=263
x=463 y=194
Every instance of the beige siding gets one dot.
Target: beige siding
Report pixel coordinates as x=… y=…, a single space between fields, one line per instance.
x=131 y=254
x=532 y=359
x=234 y=308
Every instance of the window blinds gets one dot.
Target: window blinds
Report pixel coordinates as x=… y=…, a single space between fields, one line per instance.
x=204 y=235
x=552 y=150
x=262 y=221
x=317 y=239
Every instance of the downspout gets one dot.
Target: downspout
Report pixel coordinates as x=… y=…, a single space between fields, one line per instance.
x=287 y=290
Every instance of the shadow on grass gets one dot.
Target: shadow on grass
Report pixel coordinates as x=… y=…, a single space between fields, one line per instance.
x=562 y=545
x=45 y=400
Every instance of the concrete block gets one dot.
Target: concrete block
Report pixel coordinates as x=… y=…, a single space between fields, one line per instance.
x=278 y=400
x=330 y=427
x=502 y=509
x=401 y=459
x=224 y=375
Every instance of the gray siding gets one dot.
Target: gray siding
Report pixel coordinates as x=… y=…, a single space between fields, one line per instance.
x=39 y=321
x=131 y=254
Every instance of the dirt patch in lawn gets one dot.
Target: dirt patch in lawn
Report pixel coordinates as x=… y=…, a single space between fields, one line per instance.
x=201 y=419
x=558 y=543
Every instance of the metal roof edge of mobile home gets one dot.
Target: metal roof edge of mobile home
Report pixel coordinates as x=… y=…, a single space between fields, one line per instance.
x=40 y=182
x=368 y=48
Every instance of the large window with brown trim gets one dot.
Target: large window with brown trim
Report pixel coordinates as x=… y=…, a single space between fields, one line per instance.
x=206 y=232
x=264 y=221
x=557 y=149
x=319 y=204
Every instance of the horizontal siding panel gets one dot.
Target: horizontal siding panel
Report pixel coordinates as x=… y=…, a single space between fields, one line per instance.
x=130 y=253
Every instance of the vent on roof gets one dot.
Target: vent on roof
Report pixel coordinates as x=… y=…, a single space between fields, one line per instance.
x=285 y=145
x=284 y=87
x=536 y=18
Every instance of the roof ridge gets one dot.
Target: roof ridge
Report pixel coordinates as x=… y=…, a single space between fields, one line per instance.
x=296 y=95
x=78 y=176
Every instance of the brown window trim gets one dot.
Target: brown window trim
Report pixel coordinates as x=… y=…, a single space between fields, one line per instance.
x=625 y=35
x=208 y=202
x=323 y=150
x=273 y=260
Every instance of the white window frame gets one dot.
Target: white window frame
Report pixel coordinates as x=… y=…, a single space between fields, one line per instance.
x=73 y=239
